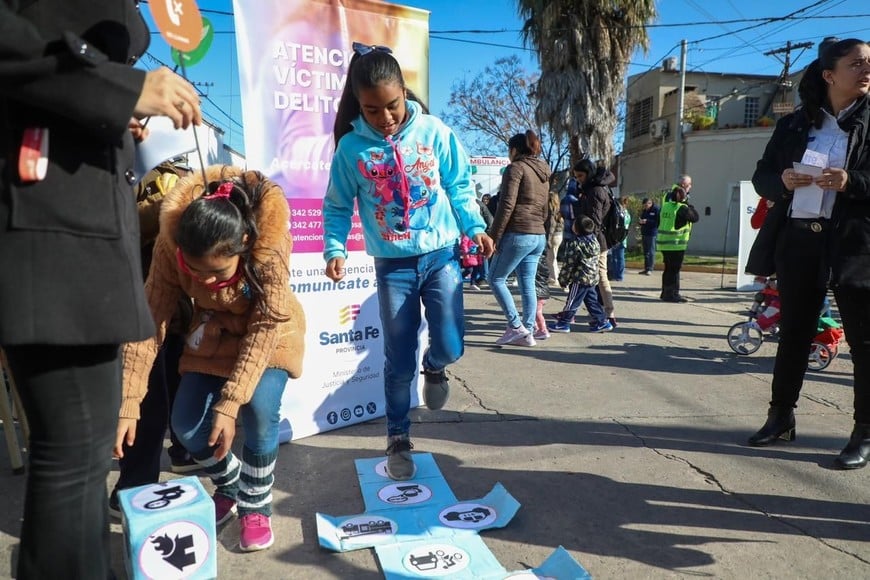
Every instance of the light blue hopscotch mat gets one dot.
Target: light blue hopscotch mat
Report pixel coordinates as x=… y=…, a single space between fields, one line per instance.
x=420 y=530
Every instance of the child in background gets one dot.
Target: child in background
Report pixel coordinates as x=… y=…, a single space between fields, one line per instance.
x=224 y=244
x=616 y=254
x=471 y=260
x=411 y=180
x=580 y=275
x=542 y=292
x=141 y=463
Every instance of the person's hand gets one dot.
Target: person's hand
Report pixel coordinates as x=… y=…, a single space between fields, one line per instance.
x=126 y=434
x=335 y=269
x=223 y=430
x=792 y=179
x=138 y=130
x=485 y=243
x=169 y=95
x=832 y=178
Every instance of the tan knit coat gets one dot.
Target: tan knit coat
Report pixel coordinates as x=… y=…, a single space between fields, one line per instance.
x=229 y=337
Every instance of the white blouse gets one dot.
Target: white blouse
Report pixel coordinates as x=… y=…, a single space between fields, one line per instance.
x=832 y=141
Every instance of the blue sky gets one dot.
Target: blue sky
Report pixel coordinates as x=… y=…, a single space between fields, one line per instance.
x=454 y=55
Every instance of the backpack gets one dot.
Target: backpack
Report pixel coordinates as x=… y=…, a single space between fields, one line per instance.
x=613 y=227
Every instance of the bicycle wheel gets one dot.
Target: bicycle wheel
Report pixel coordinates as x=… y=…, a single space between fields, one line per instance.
x=745 y=337
x=820 y=356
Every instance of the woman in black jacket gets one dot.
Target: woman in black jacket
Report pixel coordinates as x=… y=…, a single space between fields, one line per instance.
x=832 y=245
x=71 y=288
x=595 y=203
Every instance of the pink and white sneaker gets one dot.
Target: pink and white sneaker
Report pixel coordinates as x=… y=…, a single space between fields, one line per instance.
x=256 y=532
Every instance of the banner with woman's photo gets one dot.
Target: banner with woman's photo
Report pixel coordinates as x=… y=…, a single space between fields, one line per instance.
x=293 y=59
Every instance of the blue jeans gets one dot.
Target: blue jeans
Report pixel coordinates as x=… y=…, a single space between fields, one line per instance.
x=479 y=273
x=616 y=266
x=435 y=280
x=519 y=252
x=587 y=295
x=197 y=394
x=649 y=252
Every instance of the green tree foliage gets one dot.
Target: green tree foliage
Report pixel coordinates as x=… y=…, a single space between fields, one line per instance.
x=584 y=47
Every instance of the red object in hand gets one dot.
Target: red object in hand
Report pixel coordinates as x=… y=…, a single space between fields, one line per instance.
x=33 y=157
x=759 y=214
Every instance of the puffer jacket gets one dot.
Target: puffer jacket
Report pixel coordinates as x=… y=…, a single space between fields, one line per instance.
x=524 y=198
x=595 y=201
x=581 y=261
x=229 y=336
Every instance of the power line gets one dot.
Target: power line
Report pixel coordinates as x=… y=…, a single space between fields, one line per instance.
x=766 y=21
x=776 y=30
x=203 y=95
x=761 y=19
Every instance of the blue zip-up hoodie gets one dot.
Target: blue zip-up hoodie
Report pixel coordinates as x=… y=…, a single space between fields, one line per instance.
x=413 y=189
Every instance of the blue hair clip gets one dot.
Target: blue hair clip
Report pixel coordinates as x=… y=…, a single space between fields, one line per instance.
x=363 y=49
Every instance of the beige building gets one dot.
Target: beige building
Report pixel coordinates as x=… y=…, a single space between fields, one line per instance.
x=727 y=121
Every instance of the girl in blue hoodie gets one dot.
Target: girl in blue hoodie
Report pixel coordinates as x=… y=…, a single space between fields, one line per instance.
x=411 y=180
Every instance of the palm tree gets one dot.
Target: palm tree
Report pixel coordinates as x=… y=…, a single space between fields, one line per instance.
x=583 y=47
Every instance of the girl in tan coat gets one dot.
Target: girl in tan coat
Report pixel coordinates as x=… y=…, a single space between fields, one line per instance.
x=227 y=247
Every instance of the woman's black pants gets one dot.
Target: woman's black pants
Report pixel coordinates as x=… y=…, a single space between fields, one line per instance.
x=71 y=397
x=854 y=306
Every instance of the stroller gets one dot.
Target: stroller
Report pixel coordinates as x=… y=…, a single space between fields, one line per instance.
x=746 y=337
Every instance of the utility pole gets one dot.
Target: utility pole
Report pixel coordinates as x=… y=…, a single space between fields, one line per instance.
x=681 y=103
x=787 y=50
x=786 y=66
x=205 y=84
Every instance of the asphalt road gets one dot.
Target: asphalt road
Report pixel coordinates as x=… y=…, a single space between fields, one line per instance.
x=627 y=448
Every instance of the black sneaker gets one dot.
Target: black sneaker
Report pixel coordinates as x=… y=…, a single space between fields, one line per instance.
x=114 y=505
x=184 y=464
x=436 y=389
x=400 y=464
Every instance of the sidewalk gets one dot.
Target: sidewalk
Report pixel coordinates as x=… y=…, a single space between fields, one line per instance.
x=627 y=448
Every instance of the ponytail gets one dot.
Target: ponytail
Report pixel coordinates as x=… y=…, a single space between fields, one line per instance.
x=370 y=66
x=526 y=143
x=813 y=92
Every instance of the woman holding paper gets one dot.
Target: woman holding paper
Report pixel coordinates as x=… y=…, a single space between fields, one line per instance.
x=71 y=288
x=818 y=231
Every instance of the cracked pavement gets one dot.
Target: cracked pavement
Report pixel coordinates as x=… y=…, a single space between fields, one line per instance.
x=627 y=448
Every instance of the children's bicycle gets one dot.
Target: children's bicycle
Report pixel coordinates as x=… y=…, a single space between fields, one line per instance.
x=745 y=338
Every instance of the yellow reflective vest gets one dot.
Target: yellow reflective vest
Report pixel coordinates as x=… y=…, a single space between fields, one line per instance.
x=671 y=239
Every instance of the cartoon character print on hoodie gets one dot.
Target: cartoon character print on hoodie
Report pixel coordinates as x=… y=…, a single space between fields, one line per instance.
x=400 y=193
x=413 y=189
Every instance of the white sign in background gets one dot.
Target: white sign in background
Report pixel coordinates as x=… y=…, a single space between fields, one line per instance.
x=748 y=203
x=342 y=381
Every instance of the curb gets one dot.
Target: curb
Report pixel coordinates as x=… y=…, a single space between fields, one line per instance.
x=692 y=268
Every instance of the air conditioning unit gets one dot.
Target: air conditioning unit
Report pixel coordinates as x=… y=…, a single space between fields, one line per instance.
x=658 y=128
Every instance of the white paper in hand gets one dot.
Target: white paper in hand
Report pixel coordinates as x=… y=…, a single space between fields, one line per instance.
x=163 y=142
x=807 y=200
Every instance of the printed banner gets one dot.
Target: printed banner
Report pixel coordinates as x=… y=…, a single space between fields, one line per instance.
x=293 y=59
x=748 y=202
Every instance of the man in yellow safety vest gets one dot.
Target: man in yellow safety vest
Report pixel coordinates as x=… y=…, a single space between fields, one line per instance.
x=675 y=228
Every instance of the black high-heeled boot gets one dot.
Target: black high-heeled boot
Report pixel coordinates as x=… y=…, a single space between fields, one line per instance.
x=779 y=425
x=857 y=451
